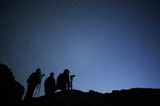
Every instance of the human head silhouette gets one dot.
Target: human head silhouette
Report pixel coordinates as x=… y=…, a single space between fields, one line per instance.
x=66 y=72
x=51 y=74
x=38 y=71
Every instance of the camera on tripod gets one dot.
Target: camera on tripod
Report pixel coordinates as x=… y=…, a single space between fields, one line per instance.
x=72 y=76
x=42 y=75
x=71 y=80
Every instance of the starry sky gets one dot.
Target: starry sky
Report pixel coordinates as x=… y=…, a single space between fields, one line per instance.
x=108 y=44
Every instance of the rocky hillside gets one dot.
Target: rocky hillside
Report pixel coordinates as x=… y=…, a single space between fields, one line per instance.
x=130 y=97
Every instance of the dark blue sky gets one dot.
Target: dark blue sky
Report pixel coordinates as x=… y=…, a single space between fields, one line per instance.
x=108 y=44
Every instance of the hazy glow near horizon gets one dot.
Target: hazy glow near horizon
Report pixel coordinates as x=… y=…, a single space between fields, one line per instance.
x=107 y=44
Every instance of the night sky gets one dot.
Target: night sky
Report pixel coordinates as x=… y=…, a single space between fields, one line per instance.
x=108 y=44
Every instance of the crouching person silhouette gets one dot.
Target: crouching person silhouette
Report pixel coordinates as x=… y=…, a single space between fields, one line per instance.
x=63 y=81
x=50 y=85
x=33 y=81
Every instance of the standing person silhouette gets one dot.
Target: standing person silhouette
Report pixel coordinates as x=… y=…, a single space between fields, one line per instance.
x=63 y=81
x=33 y=81
x=50 y=85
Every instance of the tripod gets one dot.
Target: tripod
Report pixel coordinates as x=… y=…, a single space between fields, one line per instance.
x=38 y=88
x=71 y=81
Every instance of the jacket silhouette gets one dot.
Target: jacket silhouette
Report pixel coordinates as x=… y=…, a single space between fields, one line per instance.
x=33 y=81
x=63 y=81
x=50 y=85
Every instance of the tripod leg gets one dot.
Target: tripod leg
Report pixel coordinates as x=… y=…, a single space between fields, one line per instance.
x=35 y=93
x=39 y=89
x=71 y=85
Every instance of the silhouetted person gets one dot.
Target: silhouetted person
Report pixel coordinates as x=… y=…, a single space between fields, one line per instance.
x=33 y=81
x=63 y=81
x=50 y=85
x=11 y=91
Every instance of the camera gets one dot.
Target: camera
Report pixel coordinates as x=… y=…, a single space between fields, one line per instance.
x=42 y=75
x=72 y=76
